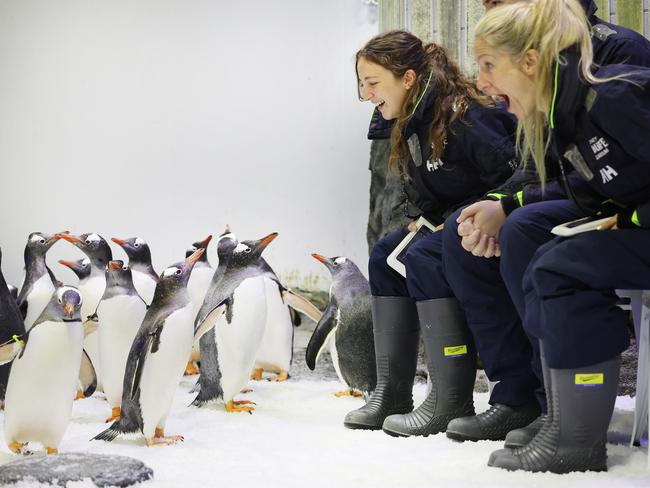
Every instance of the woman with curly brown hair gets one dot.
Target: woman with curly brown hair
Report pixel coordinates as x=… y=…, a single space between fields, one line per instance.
x=450 y=144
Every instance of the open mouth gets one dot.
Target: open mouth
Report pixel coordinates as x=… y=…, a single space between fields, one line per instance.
x=380 y=105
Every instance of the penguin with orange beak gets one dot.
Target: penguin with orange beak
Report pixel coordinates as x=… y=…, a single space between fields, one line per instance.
x=38 y=402
x=39 y=282
x=122 y=311
x=145 y=277
x=346 y=325
x=99 y=252
x=157 y=358
x=80 y=267
x=228 y=355
x=197 y=288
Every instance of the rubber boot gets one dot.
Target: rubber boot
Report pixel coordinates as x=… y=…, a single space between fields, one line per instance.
x=396 y=334
x=451 y=361
x=583 y=401
x=521 y=437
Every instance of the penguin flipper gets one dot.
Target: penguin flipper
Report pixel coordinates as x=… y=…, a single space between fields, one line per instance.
x=301 y=304
x=87 y=375
x=324 y=328
x=209 y=322
x=9 y=350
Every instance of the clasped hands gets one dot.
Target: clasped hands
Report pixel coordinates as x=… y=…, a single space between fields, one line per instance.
x=479 y=225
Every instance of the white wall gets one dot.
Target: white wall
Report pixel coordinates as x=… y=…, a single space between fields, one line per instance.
x=169 y=119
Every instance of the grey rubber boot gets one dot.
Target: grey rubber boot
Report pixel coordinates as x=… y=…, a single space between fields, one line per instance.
x=521 y=437
x=583 y=401
x=451 y=361
x=396 y=334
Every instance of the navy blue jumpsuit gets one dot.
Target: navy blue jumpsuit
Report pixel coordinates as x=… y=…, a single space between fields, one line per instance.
x=478 y=154
x=490 y=290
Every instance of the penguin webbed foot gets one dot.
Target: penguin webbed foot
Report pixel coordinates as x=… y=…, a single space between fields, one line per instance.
x=257 y=373
x=20 y=448
x=281 y=376
x=115 y=414
x=234 y=406
x=350 y=392
x=52 y=450
x=160 y=439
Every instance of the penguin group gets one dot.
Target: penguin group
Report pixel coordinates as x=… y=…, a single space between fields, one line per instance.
x=131 y=333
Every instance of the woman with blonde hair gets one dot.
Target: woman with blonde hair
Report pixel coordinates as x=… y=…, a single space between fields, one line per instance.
x=450 y=144
x=537 y=56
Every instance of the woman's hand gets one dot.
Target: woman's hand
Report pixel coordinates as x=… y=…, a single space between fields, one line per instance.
x=481 y=245
x=487 y=216
x=609 y=224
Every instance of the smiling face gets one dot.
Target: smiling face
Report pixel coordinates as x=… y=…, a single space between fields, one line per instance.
x=502 y=76
x=380 y=86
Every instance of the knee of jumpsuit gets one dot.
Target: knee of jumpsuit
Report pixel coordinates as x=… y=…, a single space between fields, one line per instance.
x=580 y=324
x=522 y=233
x=500 y=340
x=425 y=278
x=384 y=280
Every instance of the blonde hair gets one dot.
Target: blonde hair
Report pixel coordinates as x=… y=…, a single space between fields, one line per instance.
x=549 y=27
x=399 y=51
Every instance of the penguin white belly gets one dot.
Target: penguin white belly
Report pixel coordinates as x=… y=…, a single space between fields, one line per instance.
x=92 y=292
x=335 y=355
x=239 y=341
x=277 y=343
x=37 y=299
x=121 y=319
x=197 y=287
x=163 y=369
x=38 y=402
x=144 y=285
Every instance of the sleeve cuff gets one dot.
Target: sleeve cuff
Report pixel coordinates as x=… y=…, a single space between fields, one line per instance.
x=509 y=204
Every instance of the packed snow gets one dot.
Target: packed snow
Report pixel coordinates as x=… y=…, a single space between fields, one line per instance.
x=296 y=438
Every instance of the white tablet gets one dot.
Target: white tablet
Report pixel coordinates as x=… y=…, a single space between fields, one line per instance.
x=396 y=258
x=578 y=226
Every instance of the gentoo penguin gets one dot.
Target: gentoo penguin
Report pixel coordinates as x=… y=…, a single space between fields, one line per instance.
x=39 y=282
x=348 y=317
x=39 y=396
x=11 y=325
x=121 y=310
x=98 y=251
x=145 y=277
x=197 y=288
x=226 y=370
x=157 y=358
x=80 y=267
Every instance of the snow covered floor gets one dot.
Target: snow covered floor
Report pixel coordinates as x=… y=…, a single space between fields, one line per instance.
x=296 y=438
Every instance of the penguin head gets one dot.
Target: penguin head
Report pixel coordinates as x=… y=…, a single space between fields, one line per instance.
x=92 y=245
x=199 y=245
x=118 y=274
x=135 y=248
x=66 y=303
x=337 y=265
x=38 y=243
x=177 y=275
x=249 y=252
x=226 y=244
x=80 y=267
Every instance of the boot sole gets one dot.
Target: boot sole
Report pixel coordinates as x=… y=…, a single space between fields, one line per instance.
x=349 y=425
x=457 y=436
x=393 y=433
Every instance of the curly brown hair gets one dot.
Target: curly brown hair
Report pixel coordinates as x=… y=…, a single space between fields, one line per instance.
x=398 y=51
